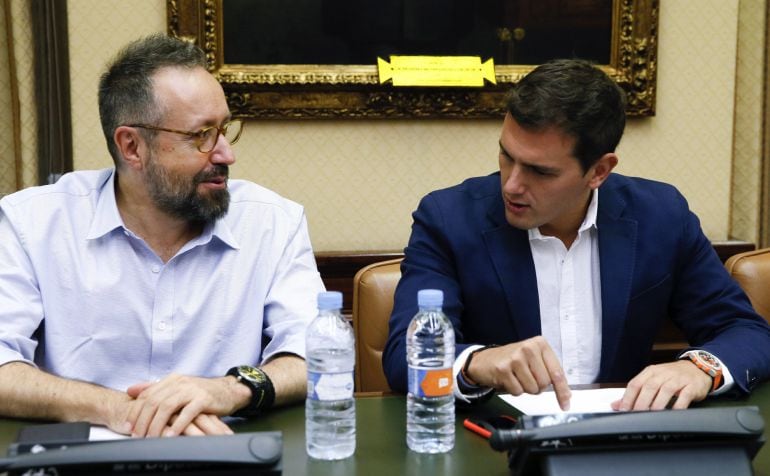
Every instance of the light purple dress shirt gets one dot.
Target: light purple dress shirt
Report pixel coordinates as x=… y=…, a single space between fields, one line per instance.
x=83 y=297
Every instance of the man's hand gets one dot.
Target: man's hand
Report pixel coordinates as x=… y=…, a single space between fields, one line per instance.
x=656 y=385
x=49 y=397
x=205 y=424
x=528 y=366
x=184 y=405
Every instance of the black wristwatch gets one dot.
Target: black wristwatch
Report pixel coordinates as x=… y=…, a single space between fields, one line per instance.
x=470 y=389
x=262 y=391
x=464 y=370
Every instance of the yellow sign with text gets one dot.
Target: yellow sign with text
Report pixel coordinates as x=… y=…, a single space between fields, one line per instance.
x=436 y=71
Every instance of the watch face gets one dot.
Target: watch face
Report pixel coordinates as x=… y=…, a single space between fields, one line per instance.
x=708 y=359
x=251 y=373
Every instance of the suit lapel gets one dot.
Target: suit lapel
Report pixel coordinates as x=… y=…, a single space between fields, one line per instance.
x=512 y=259
x=617 y=258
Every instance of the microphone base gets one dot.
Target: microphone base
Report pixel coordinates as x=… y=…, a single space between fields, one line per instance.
x=732 y=461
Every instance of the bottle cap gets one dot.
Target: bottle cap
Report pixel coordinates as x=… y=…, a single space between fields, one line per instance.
x=430 y=298
x=330 y=300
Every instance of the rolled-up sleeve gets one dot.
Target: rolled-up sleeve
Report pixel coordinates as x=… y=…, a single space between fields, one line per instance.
x=21 y=309
x=291 y=301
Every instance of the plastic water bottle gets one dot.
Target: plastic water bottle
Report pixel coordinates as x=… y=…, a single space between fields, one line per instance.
x=330 y=411
x=430 y=353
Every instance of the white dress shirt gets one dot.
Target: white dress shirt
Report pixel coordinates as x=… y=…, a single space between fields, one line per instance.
x=83 y=297
x=569 y=291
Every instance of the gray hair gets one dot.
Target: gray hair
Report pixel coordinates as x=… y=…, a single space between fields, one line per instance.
x=126 y=90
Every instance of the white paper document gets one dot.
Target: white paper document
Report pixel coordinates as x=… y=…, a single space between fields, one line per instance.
x=596 y=400
x=99 y=433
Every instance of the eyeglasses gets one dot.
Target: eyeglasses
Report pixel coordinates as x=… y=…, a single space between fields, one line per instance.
x=206 y=138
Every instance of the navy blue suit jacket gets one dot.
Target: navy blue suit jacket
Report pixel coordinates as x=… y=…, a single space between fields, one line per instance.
x=655 y=264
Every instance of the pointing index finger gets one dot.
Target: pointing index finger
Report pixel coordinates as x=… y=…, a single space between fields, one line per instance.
x=560 y=385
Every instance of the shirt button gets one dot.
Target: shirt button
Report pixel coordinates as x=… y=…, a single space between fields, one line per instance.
x=156 y=269
x=569 y=371
x=162 y=325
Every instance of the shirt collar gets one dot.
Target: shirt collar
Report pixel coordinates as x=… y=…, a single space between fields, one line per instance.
x=220 y=229
x=589 y=221
x=107 y=218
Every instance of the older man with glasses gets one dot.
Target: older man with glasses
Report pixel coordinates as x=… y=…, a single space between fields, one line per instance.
x=156 y=296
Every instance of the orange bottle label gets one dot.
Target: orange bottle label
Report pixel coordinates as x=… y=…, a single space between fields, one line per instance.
x=430 y=382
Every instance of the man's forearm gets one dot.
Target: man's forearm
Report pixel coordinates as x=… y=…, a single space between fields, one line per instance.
x=289 y=376
x=26 y=392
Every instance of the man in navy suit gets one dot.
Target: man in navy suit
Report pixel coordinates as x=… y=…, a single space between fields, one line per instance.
x=556 y=271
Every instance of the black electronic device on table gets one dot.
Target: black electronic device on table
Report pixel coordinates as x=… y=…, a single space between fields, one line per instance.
x=256 y=453
x=47 y=436
x=702 y=441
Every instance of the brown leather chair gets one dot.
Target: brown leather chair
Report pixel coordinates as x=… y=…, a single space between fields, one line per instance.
x=752 y=271
x=373 y=289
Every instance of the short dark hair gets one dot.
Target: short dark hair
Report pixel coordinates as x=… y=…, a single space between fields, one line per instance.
x=126 y=91
x=576 y=97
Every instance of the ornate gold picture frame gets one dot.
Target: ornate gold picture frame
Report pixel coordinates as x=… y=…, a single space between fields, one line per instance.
x=353 y=90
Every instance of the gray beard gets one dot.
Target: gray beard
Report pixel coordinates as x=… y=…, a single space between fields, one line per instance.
x=179 y=197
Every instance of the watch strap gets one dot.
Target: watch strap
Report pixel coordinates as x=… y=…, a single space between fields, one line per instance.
x=713 y=369
x=464 y=370
x=262 y=390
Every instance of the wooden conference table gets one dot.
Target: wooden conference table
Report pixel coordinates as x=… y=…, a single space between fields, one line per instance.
x=381 y=447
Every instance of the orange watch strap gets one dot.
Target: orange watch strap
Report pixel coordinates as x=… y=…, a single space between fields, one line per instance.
x=717 y=381
x=714 y=371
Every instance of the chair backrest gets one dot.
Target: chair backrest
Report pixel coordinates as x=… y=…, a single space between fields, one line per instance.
x=373 y=289
x=752 y=271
